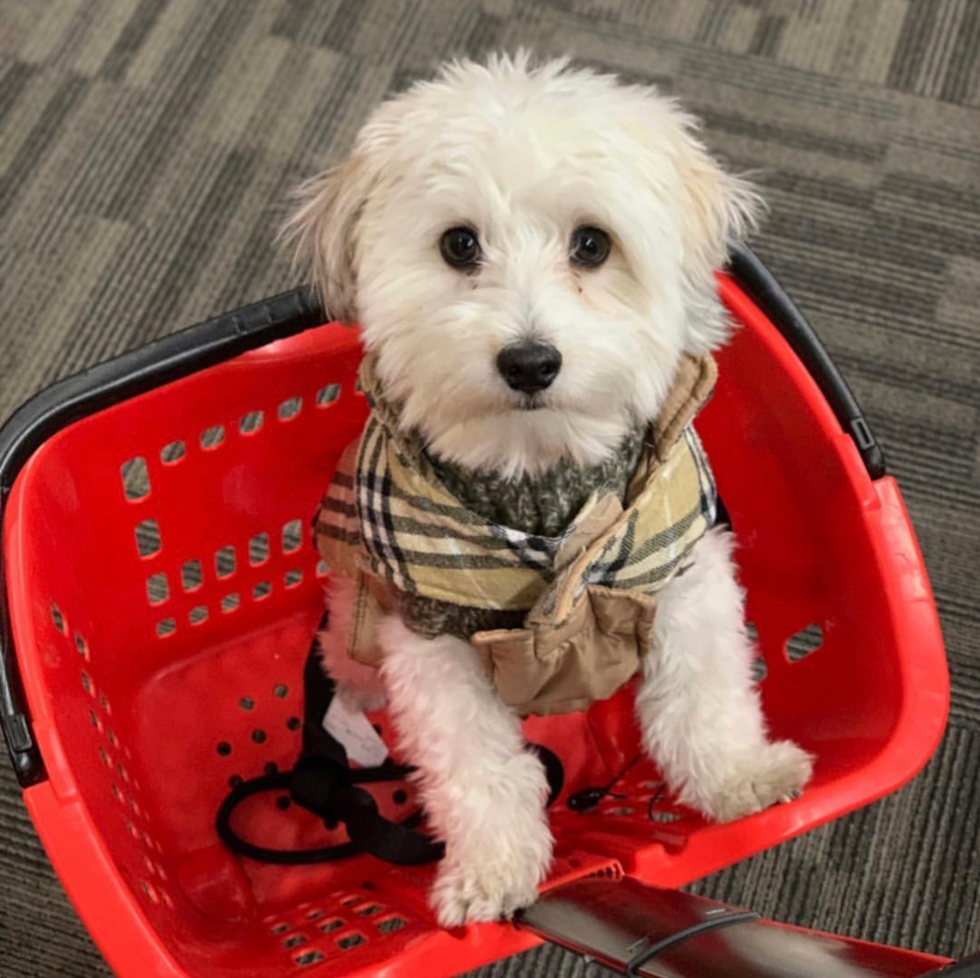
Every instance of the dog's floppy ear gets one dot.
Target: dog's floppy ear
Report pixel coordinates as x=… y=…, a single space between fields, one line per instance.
x=717 y=210
x=721 y=208
x=323 y=230
x=325 y=227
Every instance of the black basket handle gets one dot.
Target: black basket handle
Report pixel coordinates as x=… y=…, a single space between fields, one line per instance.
x=753 y=276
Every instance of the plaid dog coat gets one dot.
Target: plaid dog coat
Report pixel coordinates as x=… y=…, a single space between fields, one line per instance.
x=589 y=595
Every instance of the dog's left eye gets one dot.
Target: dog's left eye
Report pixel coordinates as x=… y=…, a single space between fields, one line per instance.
x=460 y=247
x=590 y=246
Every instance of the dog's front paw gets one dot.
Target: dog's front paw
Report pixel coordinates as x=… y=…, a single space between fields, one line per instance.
x=495 y=872
x=777 y=774
x=488 y=890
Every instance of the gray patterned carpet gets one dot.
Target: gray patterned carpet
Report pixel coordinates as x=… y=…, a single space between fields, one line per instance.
x=146 y=147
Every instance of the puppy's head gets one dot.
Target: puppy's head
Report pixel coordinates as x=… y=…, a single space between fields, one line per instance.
x=529 y=251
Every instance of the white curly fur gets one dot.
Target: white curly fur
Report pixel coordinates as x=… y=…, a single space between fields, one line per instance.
x=524 y=154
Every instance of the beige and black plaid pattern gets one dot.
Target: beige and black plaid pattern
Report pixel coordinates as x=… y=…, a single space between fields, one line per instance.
x=420 y=539
x=415 y=535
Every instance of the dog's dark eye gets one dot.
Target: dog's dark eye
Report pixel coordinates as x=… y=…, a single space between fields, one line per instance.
x=460 y=247
x=590 y=247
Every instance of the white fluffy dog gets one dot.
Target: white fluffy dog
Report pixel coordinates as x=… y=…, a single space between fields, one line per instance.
x=539 y=206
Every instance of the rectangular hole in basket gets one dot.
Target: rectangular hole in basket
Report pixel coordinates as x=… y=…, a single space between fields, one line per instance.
x=82 y=646
x=198 y=615
x=292 y=536
x=322 y=568
x=329 y=926
x=295 y=940
x=251 y=422
x=149 y=891
x=805 y=642
x=392 y=924
x=166 y=627
x=309 y=957
x=261 y=590
x=191 y=575
x=370 y=910
x=212 y=437
x=135 y=479
x=349 y=941
x=290 y=408
x=230 y=602
x=225 y=562
x=258 y=549
x=59 y=619
x=148 y=538
x=171 y=454
x=759 y=668
x=327 y=395
x=157 y=588
x=293 y=577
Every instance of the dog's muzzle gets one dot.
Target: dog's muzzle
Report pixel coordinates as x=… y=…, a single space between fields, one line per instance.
x=528 y=366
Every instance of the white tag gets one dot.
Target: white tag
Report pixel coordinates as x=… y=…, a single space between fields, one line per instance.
x=353 y=729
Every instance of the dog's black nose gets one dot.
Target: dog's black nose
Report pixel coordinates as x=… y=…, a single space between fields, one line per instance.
x=529 y=367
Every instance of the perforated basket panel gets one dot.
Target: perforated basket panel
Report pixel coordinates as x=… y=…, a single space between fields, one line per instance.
x=164 y=594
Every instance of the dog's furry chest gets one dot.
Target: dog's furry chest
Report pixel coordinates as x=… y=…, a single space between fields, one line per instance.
x=542 y=505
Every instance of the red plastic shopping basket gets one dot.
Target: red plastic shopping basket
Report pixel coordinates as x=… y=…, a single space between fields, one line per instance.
x=161 y=593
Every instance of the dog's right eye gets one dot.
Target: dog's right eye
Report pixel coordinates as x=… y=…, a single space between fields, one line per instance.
x=460 y=247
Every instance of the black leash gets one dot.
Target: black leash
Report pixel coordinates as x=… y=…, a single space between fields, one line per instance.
x=324 y=783
x=330 y=790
